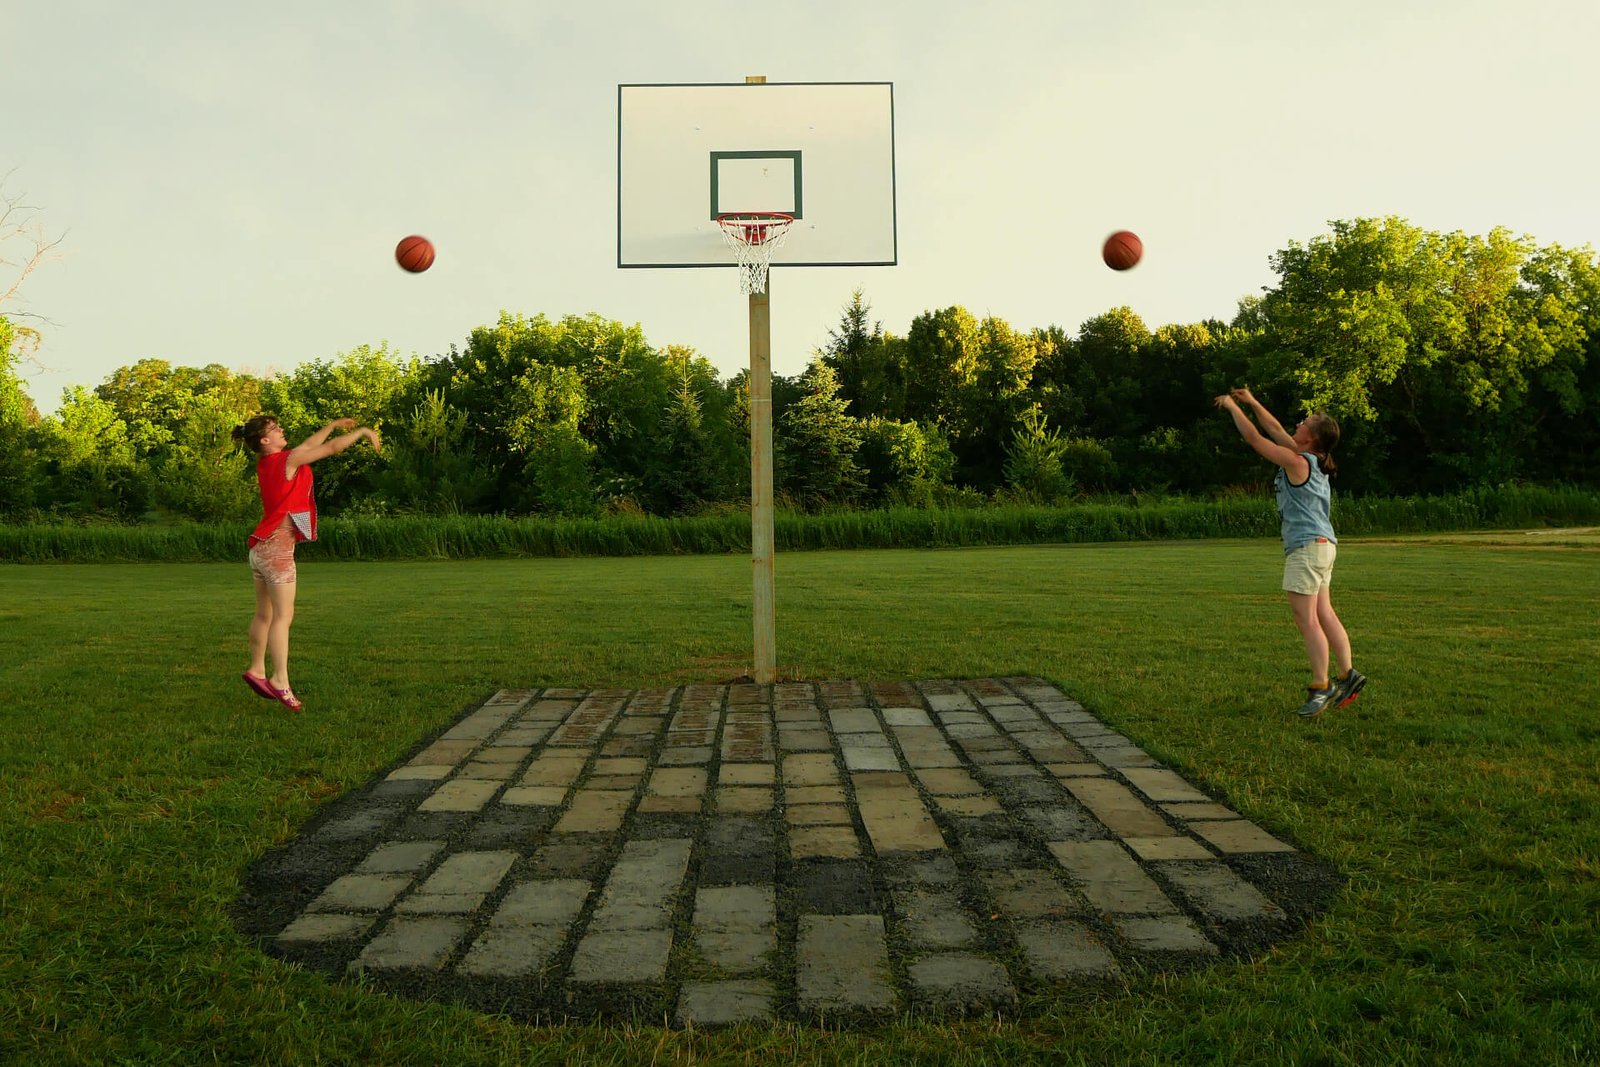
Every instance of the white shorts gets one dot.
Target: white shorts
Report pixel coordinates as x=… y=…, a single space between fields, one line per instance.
x=1310 y=567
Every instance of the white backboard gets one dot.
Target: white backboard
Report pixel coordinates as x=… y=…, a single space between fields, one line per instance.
x=820 y=151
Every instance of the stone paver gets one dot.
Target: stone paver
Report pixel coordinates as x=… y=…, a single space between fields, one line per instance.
x=930 y=919
x=1030 y=894
x=1165 y=933
x=401 y=857
x=1239 y=835
x=961 y=982
x=508 y=952
x=843 y=965
x=1111 y=879
x=1062 y=950
x=816 y=851
x=460 y=794
x=1219 y=894
x=460 y=884
x=595 y=810
x=735 y=926
x=812 y=842
x=895 y=817
x=314 y=928
x=707 y=1004
x=412 y=944
x=361 y=892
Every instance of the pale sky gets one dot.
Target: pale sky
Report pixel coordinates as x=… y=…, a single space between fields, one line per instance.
x=231 y=179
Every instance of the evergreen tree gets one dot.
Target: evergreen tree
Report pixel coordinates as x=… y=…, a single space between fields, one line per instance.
x=817 y=444
x=1033 y=461
x=869 y=363
x=688 y=476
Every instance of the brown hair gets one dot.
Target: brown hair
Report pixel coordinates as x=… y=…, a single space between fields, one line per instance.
x=253 y=430
x=1325 y=436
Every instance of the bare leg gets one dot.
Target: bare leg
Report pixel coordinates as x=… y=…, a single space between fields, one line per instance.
x=1333 y=630
x=282 y=597
x=258 y=630
x=1305 y=617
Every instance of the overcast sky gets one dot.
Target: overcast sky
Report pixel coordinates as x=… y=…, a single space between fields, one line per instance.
x=231 y=179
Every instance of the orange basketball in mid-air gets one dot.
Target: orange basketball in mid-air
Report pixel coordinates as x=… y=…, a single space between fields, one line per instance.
x=1122 y=250
x=414 y=254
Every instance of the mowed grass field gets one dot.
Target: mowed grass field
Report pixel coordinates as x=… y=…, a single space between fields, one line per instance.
x=139 y=778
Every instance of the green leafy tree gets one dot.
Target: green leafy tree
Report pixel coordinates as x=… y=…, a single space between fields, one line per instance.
x=430 y=462
x=1052 y=386
x=942 y=357
x=993 y=401
x=1352 y=310
x=545 y=408
x=153 y=398
x=364 y=384
x=1559 y=429
x=904 y=462
x=1094 y=388
x=1088 y=463
x=972 y=380
x=727 y=438
x=179 y=422
x=202 y=474
x=560 y=471
x=89 y=460
x=1427 y=344
x=628 y=385
x=624 y=384
x=1181 y=438
x=1106 y=369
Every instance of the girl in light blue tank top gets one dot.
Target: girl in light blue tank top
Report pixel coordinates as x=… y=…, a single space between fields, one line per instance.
x=1305 y=509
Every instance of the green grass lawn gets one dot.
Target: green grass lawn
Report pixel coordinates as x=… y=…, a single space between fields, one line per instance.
x=139 y=778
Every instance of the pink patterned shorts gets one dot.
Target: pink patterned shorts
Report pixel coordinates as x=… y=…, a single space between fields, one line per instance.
x=272 y=560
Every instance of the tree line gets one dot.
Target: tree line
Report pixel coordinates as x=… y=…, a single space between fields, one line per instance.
x=1450 y=360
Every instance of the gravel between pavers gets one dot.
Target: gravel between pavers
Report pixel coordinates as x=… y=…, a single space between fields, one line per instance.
x=833 y=851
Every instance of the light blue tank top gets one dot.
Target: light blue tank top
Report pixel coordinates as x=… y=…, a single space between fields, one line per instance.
x=1305 y=508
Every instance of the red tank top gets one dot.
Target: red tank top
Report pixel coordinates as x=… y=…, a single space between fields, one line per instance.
x=282 y=497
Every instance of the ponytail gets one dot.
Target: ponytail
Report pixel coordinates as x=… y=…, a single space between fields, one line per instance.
x=1325 y=435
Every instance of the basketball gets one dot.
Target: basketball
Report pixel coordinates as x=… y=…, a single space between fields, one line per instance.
x=1122 y=250
x=415 y=254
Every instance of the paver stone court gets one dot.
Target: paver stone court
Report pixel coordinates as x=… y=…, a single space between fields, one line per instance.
x=838 y=852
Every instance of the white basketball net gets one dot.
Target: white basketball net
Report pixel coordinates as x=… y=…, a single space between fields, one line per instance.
x=753 y=237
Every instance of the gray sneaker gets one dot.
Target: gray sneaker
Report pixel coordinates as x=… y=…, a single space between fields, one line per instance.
x=1347 y=689
x=1318 y=701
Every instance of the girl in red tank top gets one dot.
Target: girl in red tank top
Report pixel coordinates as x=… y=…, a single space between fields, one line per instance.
x=288 y=516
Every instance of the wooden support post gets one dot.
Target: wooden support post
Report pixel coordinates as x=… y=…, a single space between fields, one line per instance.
x=761 y=532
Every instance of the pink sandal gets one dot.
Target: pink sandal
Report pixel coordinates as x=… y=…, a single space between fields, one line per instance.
x=287 y=698
x=261 y=686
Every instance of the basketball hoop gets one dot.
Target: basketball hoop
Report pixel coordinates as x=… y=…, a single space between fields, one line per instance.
x=754 y=236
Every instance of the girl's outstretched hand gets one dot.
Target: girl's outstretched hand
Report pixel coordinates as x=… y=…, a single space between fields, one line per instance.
x=1242 y=395
x=377 y=442
x=1225 y=401
x=343 y=424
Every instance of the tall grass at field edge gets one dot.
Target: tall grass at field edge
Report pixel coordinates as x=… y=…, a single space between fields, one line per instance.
x=417 y=537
